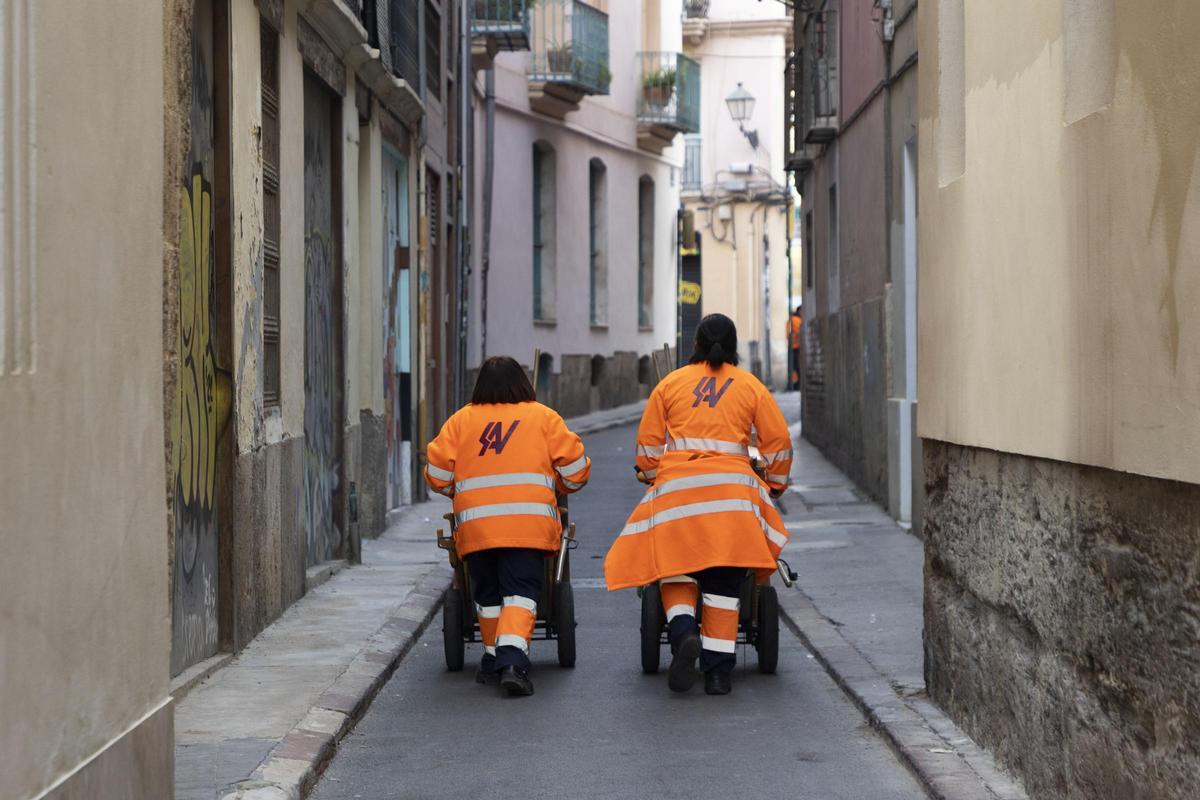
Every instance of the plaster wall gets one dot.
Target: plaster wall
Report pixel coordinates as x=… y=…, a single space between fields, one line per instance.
x=1057 y=312
x=86 y=632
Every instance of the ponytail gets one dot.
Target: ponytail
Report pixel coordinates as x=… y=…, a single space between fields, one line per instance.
x=716 y=356
x=716 y=342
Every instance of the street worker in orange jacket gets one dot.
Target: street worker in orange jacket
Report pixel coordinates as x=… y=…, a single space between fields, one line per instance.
x=502 y=458
x=795 y=330
x=708 y=517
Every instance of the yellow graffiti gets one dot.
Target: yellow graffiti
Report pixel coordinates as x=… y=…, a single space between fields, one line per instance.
x=689 y=293
x=194 y=428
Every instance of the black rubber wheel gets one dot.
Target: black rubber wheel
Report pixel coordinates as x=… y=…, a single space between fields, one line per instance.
x=564 y=623
x=452 y=629
x=766 y=641
x=653 y=620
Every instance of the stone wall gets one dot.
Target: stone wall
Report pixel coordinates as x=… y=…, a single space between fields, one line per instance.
x=845 y=392
x=1062 y=616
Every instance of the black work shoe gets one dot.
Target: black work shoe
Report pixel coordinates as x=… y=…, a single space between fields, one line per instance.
x=717 y=683
x=487 y=677
x=516 y=683
x=682 y=673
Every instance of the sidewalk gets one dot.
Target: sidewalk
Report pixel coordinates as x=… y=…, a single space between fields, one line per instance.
x=858 y=605
x=262 y=726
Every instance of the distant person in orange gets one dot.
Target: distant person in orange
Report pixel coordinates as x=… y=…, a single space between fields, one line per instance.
x=795 y=343
x=708 y=517
x=502 y=458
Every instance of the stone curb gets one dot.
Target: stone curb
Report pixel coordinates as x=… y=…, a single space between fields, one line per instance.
x=940 y=763
x=293 y=766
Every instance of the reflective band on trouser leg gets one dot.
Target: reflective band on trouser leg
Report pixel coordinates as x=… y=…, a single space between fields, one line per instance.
x=719 y=625
x=679 y=597
x=489 y=618
x=517 y=617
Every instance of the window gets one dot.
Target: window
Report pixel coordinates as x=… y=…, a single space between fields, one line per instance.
x=808 y=250
x=433 y=50
x=405 y=40
x=544 y=227
x=269 y=63
x=692 y=175
x=597 y=242
x=833 y=294
x=645 y=283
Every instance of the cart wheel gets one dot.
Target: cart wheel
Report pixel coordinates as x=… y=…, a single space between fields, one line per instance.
x=652 y=627
x=767 y=640
x=564 y=624
x=452 y=629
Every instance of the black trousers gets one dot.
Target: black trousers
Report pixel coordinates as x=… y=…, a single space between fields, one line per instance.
x=721 y=581
x=505 y=582
x=795 y=373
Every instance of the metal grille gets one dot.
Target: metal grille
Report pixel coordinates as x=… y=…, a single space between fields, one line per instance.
x=670 y=93
x=269 y=58
x=433 y=50
x=405 y=40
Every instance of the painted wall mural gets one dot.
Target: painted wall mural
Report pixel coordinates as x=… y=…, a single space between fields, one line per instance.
x=195 y=418
x=322 y=334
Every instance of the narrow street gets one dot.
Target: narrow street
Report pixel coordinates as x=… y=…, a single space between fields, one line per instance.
x=603 y=729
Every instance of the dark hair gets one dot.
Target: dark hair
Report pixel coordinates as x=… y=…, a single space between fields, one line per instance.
x=797 y=311
x=502 y=380
x=716 y=342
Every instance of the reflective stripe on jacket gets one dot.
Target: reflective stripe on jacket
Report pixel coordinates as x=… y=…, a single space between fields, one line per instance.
x=707 y=507
x=502 y=464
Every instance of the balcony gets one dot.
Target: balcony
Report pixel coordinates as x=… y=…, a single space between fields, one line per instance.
x=669 y=102
x=498 y=25
x=570 y=55
x=818 y=80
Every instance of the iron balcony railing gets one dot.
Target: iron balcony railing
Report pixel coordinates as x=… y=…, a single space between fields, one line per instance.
x=670 y=93
x=570 y=45
x=818 y=81
x=504 y=21
x=695 y=9
x=405 y=42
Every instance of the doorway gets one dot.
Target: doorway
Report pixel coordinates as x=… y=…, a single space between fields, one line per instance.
x=323 y=462
x=397 y=370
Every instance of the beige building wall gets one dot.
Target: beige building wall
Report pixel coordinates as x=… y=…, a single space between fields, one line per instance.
x=1060 y=229
x=86 y=620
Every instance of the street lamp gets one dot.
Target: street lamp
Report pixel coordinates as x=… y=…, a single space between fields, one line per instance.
x=741 y=108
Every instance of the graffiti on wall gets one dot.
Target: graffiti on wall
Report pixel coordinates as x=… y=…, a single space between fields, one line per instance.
x=195 y=415
x=322 y=365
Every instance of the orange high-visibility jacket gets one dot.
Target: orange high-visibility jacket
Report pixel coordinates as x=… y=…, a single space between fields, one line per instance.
x=795 y=325
x=502 y=464
x=707 y=507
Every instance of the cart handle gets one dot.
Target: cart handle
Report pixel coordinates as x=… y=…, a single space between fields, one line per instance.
x=786 y=572
x=568 y=543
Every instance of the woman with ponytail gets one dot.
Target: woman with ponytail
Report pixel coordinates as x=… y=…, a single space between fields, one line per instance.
x=707 y=517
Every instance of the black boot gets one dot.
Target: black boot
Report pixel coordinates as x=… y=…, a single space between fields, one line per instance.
x=682 y=673
x=516 y=683
x=488 y=677
x=717 y=682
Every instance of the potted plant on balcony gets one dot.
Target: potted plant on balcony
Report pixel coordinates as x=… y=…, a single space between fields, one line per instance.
x=560 y=59
x=658 y=86
x=604 y=74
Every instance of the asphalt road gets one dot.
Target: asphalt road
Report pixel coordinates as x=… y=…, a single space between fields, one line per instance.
x=603 y=729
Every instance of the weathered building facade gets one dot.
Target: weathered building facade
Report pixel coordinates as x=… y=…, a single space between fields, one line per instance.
x=1060 y=387
x=853 y=95
x=735 y=183
x=252 y=333
x=574 y=243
